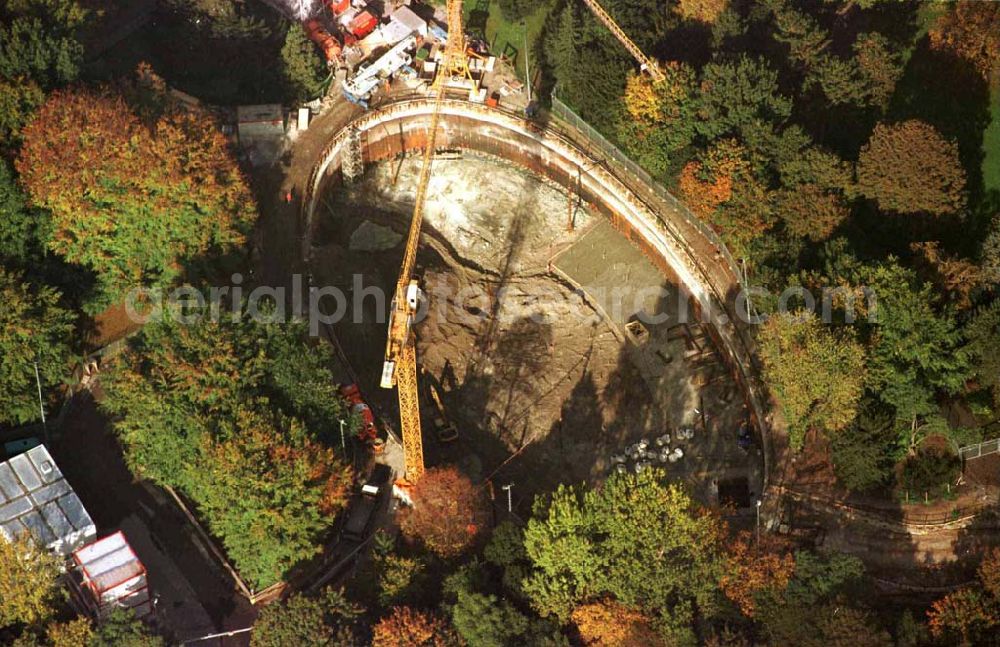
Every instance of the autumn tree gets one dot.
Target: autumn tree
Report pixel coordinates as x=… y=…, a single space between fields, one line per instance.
x=268 y=490
x=909 y=167
x=240 y=416
x=955 y=278
x=810 y=211
x=816 y=375
x=132 y=201
x=407 y=627
x=304 y=70
x=636 y=540
x=34 y=329
x=971 y=614
x=753 y=567
x=324 y=621
x=449 y=512
x=706 y=11
x=880 y=67
x=75 y=633
x=659 y=115
x=606 y=623
x=29 y=582
x=722 y=188
x=971 y=30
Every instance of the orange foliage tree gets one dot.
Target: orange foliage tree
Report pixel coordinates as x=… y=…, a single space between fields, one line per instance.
x=751 y=569
x=970 y=29
x=722 y=189
x=607 y=623
x=910 y=167
x=810 y=211
x=701 y=10
x=406 y=627
x=448 y=513
x=131 y=199
x=971 y=614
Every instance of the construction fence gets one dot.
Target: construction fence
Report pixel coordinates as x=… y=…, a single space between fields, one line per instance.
x=979 y=450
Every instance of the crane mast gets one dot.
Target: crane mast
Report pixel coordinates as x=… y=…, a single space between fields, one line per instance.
x=645 y=64
x=400 y=367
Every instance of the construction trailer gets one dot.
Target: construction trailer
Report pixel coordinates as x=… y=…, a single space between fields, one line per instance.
x=108 y=575
x=36 y=499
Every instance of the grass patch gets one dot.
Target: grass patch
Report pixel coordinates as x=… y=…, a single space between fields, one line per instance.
x=485 y=20
x=991 y=141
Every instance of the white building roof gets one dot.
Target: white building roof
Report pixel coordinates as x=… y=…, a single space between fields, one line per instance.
x=36 y=498
x=109 y=562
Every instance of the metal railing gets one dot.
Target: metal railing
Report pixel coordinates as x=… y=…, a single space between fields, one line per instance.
x=979 y=450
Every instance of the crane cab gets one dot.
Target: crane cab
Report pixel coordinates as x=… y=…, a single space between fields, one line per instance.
x=388 y=374
x=414 y=295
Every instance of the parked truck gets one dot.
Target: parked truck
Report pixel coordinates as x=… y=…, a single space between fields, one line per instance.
x=366 y=504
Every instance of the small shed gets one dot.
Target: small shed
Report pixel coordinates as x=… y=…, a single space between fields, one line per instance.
x=111 y=576
x=36 y=498
x=265 y=121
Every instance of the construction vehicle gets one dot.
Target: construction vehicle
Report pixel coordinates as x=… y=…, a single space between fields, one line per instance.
x=443 y=427
x=366 y=504
x=352 y=394
x=317 y=32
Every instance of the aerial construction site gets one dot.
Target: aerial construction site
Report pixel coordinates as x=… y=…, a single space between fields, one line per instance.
x=499 y=322
x=555 y=330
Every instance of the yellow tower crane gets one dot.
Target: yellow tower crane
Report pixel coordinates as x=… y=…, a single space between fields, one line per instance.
x=645 y=63
x=400 y=367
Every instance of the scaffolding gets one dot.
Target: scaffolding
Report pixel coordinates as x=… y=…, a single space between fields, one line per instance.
x=352 y=163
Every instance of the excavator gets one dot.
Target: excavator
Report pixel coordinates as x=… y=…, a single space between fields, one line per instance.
x=399 y=369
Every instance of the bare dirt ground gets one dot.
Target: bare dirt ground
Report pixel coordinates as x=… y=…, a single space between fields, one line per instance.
x=525 y=359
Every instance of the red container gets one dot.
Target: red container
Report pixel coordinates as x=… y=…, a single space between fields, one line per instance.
x=363 y=24
x=338 y=7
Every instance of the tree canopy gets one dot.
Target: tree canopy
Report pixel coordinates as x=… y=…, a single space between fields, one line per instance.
x=910 y=168
x=817 y=375
x=34 y=328
x=449 y=512
x=220 y=411
x=29 y=582
x=132 y=200
x=637 y=539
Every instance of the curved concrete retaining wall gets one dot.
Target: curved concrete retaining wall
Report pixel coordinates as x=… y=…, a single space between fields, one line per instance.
x=673 y=245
